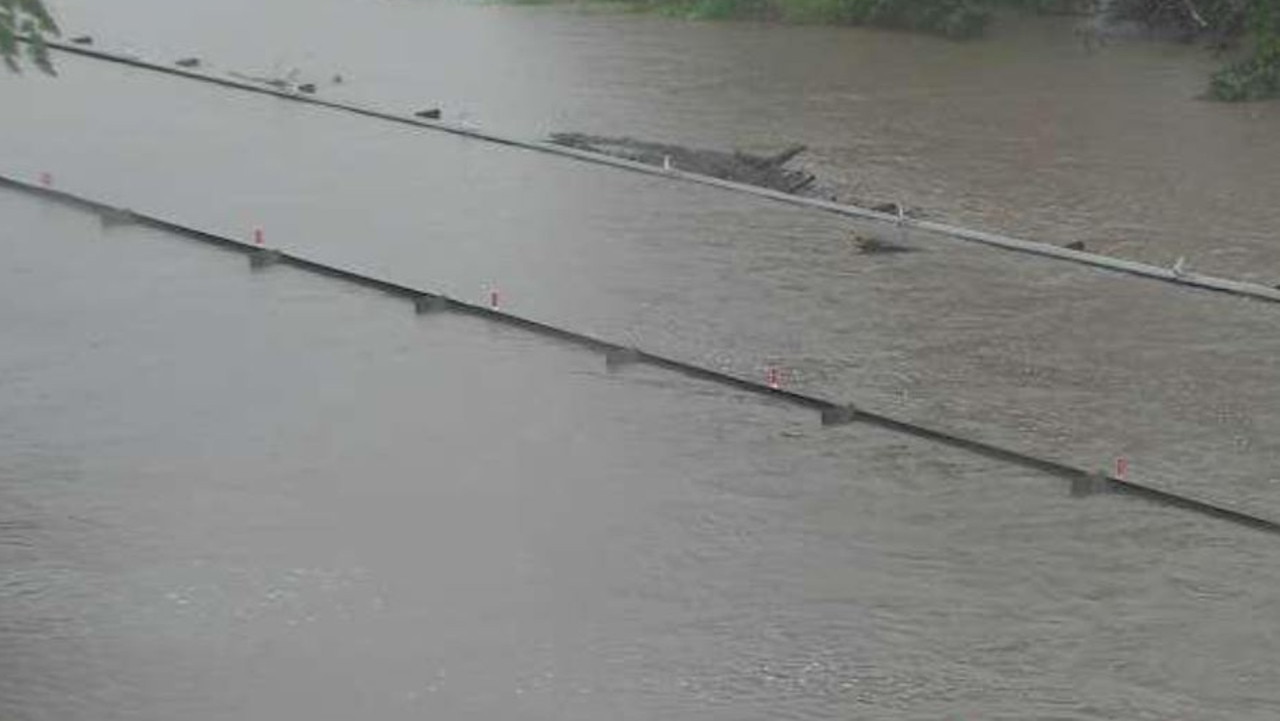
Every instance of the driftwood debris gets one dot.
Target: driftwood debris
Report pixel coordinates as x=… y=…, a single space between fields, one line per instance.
x=766 y=171
x=871 y=245
x=287 y=83
x=891 y=208
x=277 y=83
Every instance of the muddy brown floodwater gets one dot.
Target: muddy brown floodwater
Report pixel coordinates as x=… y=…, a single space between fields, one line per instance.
x=230 y=495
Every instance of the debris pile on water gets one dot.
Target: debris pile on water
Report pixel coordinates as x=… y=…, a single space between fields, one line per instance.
x=873 y=245
x=766 y=171
x=286 y=83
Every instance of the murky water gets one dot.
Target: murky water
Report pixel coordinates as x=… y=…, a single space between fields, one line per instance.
x=235 y=495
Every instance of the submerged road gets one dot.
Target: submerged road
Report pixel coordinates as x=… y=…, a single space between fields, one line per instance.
x=1175 y=274
x=228 y=493
x=1083 y=482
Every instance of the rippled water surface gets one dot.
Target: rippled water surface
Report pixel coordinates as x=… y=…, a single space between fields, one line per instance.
x=229 y=495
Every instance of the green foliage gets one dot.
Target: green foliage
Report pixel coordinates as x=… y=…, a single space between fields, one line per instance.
x=955 y=18
x=726 y=9
x=25 y=19
x=952 y=18
x=1257 y=75
x=1253 y=76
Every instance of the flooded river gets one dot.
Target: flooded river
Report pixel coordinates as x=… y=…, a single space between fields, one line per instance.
x=231 y=495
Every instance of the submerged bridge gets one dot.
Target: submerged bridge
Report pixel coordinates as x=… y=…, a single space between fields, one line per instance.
x=616 y=356
x=430 y=122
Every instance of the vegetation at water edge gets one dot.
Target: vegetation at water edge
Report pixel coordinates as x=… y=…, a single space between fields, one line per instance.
x=1247 y=30
x=25 y=19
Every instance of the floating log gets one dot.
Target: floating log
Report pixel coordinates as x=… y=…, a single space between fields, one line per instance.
x=871 y=245
x=188 y=63
x=802 y=183
x=429 y=114
x=787 y=155
x=765 y=171
x=277 y=83
x=891 y=208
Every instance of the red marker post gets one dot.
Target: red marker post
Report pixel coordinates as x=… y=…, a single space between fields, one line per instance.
x=493 y=299
x=1122 y=468
x=774 y=378
x=257 y=236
